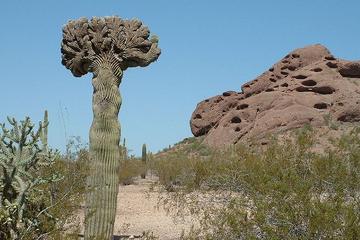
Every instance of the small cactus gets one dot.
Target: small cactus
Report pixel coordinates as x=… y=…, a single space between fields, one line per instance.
x=23 y=150
x=144 y=160
x=124 y=152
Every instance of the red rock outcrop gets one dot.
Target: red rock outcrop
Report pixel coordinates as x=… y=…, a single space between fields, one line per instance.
x=308 y=85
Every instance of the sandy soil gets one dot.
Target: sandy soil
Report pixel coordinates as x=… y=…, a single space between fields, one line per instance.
x=138 y=212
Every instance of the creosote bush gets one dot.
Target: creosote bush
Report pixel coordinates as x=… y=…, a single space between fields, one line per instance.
x=283 y=191
x=129 y=170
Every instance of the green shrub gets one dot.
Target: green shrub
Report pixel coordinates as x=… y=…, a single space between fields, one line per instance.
x=38 y=187
x=129 y=170
x=285 y=191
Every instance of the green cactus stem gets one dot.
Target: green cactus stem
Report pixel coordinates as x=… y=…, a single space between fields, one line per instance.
x=106 y=47
x=104 y=148
x=22 y=151
x=144 y=160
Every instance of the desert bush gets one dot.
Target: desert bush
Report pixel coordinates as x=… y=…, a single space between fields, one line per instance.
x=37 y=186
x=129 y=170
x=66 y=196
x=285 y=191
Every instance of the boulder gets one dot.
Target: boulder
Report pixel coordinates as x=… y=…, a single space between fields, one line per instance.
x=308 y=86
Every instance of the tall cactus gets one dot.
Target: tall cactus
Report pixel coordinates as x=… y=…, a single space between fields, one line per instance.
x=144 y=160
x=106 y=47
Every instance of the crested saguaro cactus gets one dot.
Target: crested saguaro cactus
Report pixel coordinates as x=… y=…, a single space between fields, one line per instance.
x=106 y=47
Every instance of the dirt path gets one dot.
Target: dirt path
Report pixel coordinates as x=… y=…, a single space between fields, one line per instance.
x=137 y=212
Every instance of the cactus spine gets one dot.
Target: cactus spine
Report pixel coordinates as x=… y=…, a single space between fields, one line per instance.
x=144 y=160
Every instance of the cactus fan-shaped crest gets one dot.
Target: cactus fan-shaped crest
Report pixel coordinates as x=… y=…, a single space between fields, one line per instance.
x=126 y=40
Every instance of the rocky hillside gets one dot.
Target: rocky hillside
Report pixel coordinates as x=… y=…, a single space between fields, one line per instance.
x=309 y=85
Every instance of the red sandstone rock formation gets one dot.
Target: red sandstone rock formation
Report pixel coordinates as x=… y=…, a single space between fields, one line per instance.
x=308 y=85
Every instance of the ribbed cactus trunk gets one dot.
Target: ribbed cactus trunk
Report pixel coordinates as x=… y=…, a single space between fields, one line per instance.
x=104 y=150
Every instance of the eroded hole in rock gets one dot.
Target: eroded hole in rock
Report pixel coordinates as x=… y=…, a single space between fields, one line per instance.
x=324 y=90
x=269 y=90
x=321 y=105
x=248 y=95
x=284 y=67
x=232 y=105
x=198 y=116
x=302 y=89
x=284 y=73
x=292 y=68
x=237 y=129
x=316 y=69
x=340 y=104
x=309 y=83
x=300 y=76
x=242 y=106
x=295 y=55
x=350 y=70
x=235 y=119
x=330 y=58
x=204 y=130
x=207 y=100
x=271 y=69
x=226 y=94
x=331 y=65
x=219 y=99
x=272 y=79
x=284 y=85
x=349 y=118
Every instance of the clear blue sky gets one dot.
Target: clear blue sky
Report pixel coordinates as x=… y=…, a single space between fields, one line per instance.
x=208 y=47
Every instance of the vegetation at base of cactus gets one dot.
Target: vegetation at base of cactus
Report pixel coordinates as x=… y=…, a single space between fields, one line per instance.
x=23 y=152
x=144 y=160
